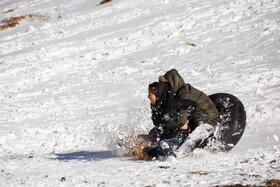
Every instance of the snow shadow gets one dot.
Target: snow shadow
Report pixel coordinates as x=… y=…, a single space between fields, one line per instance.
x=85 y=155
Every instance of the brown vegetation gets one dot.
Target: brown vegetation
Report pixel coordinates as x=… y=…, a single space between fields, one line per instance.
x=137 y=150
x=191 y=44
x=14 y=21
x=272 y=182
x=11 y=10
x=104 y=1
x=164 y=167
x=233 y=185
x=268 y=183
x=199 y=172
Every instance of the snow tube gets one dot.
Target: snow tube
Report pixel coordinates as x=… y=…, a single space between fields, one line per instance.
x=232 y=123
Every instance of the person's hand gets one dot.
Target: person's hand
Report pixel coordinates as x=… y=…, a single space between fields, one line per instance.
x=186 y=126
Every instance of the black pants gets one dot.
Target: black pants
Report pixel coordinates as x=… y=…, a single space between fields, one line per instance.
x=155 y=136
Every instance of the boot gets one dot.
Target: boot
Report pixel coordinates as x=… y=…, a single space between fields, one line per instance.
x=166 y=147
x=163 y=149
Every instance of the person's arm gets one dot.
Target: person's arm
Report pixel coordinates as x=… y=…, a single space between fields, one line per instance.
x=177 y=121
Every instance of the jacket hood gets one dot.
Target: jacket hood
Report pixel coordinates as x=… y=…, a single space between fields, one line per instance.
x=175 y=80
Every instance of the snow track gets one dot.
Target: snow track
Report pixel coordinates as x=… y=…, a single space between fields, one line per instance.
x=71 y=84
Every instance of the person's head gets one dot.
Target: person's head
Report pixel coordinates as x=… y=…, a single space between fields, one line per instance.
x=152 y=92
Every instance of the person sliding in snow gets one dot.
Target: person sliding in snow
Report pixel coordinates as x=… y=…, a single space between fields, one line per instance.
x=183 y=116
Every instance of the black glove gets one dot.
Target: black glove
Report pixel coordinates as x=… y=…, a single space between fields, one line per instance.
x=155 y=134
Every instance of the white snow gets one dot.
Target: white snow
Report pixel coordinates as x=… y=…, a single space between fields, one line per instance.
x=70 y=85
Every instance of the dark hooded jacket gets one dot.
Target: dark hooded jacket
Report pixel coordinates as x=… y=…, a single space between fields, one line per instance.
x=177 y=102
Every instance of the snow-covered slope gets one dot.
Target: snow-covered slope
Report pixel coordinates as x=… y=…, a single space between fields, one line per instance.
x=70 y=84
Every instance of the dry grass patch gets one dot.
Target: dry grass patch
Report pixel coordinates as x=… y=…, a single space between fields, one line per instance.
x=234 y=185
x=191 y=44
x=11 y=10
x=164 y=167
x=272 y=182
x=14 y=21
x=104 y=1
x=266 y=183
x=199 y=173
x=137 y=150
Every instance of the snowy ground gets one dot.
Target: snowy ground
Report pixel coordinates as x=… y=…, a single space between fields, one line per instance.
x=71 y=84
